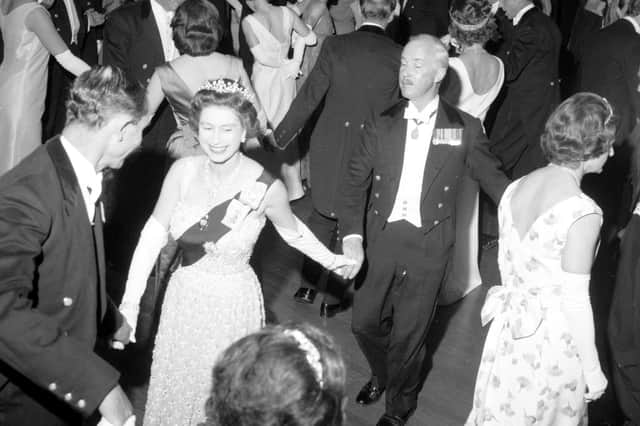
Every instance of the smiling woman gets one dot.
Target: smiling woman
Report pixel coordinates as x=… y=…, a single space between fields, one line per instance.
x=215 y=206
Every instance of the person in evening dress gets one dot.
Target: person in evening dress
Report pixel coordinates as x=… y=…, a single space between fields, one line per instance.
x=29 y=39
x=269 y=32
x=215 y=206
x=474 y=80
x=540 y=364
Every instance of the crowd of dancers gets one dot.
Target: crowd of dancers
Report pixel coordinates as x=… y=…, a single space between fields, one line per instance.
x=204 y=119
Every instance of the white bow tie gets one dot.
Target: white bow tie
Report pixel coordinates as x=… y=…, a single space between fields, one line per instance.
x=417 y=116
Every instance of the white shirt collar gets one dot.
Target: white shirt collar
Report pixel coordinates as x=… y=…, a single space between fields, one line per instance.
x=88 y=179
x=373 y=24
x=635 y=24
x=519 y=15
x=411 y=111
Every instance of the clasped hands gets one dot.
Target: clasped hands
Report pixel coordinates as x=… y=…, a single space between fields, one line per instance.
x=348 y=265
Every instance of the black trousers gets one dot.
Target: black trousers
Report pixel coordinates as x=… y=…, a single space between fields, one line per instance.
x=314 y=275
x=393 y=308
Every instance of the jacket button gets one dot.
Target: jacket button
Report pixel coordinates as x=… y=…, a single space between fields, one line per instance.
x=346 y=124
x=68 y=396
x=377 y=195
x=55 y=15
x=446 y=188
x=435 y=222
x=332 y=214
x=375 y=212
x=144 y=66
x=58 y=29
x=362 y=126
x=439 y=205
x=67 y=301
x=53 y=387
x=377 y=177
x=82 y=403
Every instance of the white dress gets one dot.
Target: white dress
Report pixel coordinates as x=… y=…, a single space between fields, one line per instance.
x=275 y=89
x=212 y=300
x=464 y=274
x=530 y=372
x=23 y=85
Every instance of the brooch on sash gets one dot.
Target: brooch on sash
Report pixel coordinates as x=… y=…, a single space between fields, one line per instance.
x=248 y=201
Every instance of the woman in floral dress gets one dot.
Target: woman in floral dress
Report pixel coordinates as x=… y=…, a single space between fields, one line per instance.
x=540 y=363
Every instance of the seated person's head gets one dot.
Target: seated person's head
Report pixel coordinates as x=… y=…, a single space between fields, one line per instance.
x=581 y=129
x=196 y=28
x=281 y=375
x=101 y=101
x=471 y=22
x=379 y=11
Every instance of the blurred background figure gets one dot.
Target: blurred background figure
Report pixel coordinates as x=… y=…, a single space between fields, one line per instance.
x=292 y=372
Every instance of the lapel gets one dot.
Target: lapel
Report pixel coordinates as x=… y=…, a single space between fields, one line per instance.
x=100 y=261
x=395 y=151
x=149 y=30
x=446 y=118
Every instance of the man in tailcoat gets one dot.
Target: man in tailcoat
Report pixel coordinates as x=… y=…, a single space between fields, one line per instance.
x=409 y=229
x=530 y=51
x=137 y=39
x=53 y=300
x=356 y=76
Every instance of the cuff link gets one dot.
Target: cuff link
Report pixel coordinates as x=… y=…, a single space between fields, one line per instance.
x=67 y=301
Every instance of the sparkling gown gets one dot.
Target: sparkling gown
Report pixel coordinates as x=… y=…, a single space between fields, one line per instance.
x=23 y=85
x=212 y=299
x=530 y=372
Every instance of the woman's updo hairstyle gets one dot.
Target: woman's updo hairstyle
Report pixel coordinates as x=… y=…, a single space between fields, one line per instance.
x=581 y=128
x=281 y=375
x=224 y=92
x=196 y=28
x=472 y=22
x=102 y=92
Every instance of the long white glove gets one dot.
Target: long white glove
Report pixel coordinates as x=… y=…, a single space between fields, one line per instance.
x=152 y=238
x=577 y=308
x=131 y=421
x=72 y=63
x=303 y=240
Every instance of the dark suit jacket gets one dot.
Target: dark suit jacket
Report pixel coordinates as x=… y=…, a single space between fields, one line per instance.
x=52 y=287
x=132 y=43
x=421 y=17
x=352 y=93
x=609 y=68
x=530 y=52
x=380 y=156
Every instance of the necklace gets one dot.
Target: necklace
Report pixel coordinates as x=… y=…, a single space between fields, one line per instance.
x=212 y=186
x=576 y=179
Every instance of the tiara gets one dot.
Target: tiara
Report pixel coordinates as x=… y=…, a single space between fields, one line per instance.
x=224 y=85
x=310 y=351
x=469 y=27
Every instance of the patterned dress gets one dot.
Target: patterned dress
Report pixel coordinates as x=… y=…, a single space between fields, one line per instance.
x=212 y=300
x=530 y=372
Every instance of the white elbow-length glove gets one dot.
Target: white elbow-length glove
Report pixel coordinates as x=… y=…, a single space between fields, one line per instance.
x=576 y=306
x=152 y=238
x=71 y=63
x=303 y=240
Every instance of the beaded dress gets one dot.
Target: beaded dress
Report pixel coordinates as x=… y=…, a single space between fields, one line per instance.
x=213 y=298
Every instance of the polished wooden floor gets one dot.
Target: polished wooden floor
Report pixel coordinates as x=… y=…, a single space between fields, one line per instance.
x=455 y=342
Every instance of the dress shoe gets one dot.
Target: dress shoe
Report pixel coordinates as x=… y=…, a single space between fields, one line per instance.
x=369 y=393
x=390 y=420
x=305 y=295
x=330 y=310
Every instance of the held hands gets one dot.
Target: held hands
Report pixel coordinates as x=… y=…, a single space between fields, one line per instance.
x=129 y=324
x=342 y=265
x=596 y=384
x=352 y=249
x=123 y=335
x=291 y=69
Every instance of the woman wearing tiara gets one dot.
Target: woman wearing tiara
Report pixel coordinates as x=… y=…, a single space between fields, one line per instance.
x=215 y=206
x=474 y=80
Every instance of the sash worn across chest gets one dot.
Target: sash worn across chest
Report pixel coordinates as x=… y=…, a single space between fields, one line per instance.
x=214 y=225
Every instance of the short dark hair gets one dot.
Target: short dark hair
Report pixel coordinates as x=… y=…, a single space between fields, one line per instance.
x=101 y=92
x=237 y=99
x=581 y=128
x=281 y=375
x=378 y=10
x=196 y=28
x=472 y=13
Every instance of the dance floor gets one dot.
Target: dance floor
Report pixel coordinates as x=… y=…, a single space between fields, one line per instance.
x=455 y=342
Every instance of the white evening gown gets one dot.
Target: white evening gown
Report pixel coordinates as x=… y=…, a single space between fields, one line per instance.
x=214 y=297
x=464 y=275
x=23 y=85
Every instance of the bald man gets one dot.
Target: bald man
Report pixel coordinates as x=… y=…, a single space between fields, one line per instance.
x=412 y=157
